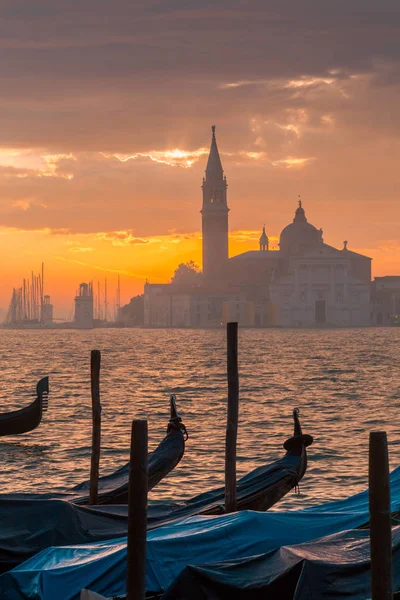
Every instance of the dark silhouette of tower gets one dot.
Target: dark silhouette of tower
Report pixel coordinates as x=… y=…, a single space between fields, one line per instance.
x=214 y=214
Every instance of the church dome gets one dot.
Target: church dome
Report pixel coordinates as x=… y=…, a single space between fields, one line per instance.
x=300 y=235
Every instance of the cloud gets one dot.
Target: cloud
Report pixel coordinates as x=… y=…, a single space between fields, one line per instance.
x=95 y=267
x=291 y=161
x=250 y=236
x=32 y=164
x=173 y=158
x=21 y=204
x=242 y=83
x=105 y=116
x=80 y=249
x=75 y=246
x=133 y=77
x=124 y=238
x=58 y=231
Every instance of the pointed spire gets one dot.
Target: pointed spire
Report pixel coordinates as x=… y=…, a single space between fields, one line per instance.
x=214 y=168
x=264 y=242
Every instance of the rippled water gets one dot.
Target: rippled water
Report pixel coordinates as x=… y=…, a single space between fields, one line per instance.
x=345 y=382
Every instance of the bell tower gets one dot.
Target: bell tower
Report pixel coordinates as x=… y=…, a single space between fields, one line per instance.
x=214 y=214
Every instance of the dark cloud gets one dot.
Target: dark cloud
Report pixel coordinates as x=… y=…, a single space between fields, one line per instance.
x=95 y=74
x=283 y=80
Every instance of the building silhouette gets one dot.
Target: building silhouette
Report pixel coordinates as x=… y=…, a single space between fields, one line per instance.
x=47 y=311
x=84 y=307
x=386 y=300
x=306 y=283
x=214 y=215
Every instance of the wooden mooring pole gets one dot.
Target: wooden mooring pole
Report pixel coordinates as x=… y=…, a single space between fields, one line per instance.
x=96 y=425
x=137 y=513
x=233 y=417
x=380 y=518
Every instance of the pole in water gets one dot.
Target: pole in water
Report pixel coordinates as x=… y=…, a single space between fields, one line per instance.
x=233 y=417
x=137 y=513
x=96 y=425
x=380 y=517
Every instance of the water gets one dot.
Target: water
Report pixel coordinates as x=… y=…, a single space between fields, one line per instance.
x=345 y=382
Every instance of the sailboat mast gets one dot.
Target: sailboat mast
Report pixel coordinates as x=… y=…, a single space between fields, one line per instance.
x=98 y=301
x=118 y=308
x=42 y=294
x=105 y=300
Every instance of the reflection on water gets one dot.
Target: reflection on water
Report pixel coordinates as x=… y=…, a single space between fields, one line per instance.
x=345 y=383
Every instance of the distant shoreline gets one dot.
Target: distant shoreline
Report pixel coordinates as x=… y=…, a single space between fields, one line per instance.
x=72 y=327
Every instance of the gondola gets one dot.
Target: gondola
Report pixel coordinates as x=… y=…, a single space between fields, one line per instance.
x=28 y=418
x=265 y=486
x=241 y=540
x=63 y=518
x=34 y=522
x=113 y=489
x=258 y=490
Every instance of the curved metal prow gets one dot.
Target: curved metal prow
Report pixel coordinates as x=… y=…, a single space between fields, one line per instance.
x=42 y=389
x=299 y=441
x=297 y=426
x=43 y=386
x=174 y=410
x=175 y=421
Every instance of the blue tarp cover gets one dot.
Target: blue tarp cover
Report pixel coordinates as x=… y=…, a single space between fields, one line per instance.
x=61 y=572
x=31 y=523
x=335 y=567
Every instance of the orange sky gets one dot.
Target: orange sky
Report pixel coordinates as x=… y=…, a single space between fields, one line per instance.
x=105 y=127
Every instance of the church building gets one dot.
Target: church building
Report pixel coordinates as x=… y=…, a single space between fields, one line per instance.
x=306 y=283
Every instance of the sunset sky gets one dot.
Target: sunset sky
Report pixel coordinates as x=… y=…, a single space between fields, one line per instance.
x=105 y=116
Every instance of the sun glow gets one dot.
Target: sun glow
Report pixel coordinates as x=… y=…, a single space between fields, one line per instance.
x=291 y=161
x=173 y=158
x=305 y=81
x=26 y=163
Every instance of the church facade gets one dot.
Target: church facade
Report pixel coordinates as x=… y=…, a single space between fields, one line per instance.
x=306 y=283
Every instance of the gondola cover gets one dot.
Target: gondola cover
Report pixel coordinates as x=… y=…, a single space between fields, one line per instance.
x=31 y=522
x=34 y=523
x=334 y=567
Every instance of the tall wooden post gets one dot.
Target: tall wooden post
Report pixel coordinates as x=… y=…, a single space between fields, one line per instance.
x=96 y=425
x=380 y=518
x=233 y=417
x=137 y=513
